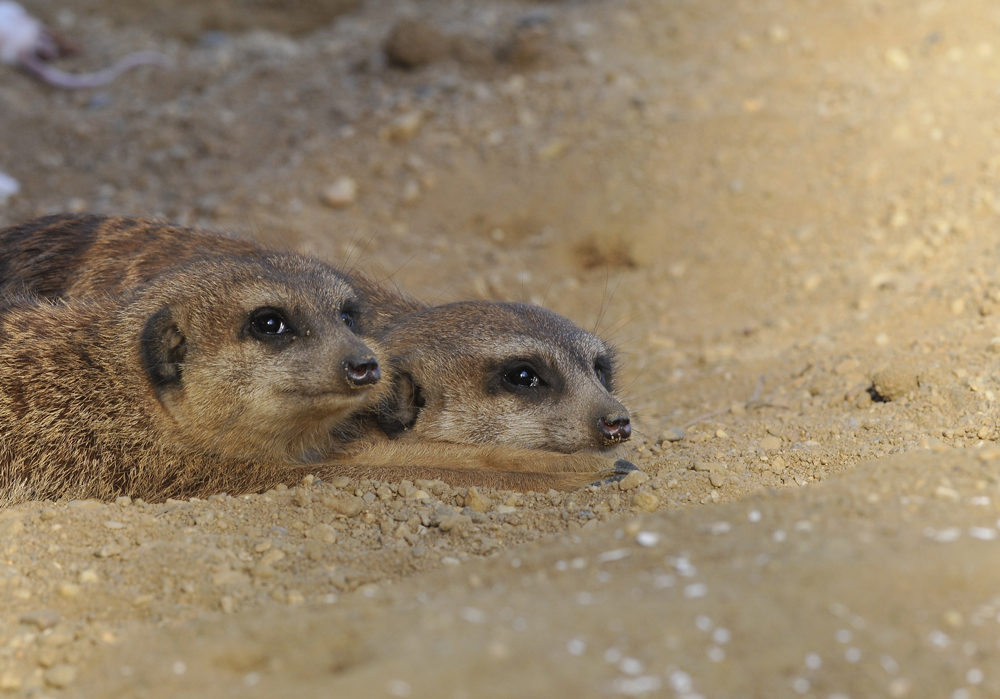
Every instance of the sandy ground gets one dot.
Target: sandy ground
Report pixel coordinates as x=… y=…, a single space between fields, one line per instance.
x=783 y=212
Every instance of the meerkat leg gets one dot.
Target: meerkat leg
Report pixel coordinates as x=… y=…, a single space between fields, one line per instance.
x=480 y=465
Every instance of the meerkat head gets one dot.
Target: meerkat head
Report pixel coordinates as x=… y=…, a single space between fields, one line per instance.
x=502 y=373
x=254 y=358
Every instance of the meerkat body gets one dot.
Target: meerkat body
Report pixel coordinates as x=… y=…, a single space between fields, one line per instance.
x=505 y=383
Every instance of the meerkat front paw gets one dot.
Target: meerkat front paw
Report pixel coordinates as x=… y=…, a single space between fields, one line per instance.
x=621 y=469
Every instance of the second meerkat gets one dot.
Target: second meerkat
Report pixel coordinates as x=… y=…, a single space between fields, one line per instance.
x=472 y=372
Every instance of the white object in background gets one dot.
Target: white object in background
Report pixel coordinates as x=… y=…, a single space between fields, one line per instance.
x=25 y=42
x=19 y=32
x=8 y=187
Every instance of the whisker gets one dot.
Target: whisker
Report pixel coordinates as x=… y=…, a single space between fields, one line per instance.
x=610 y=300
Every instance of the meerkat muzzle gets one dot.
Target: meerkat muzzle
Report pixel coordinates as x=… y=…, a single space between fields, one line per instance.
x=362 y=371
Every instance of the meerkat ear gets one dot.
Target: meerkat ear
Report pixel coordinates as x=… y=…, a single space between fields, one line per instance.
x=399 y=410
x=163 y=349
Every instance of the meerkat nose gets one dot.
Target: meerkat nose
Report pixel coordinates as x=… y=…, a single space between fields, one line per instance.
x=615 y=428
x=362 y=371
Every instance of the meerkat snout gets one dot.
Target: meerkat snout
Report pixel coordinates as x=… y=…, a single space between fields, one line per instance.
x=615 y=427
x=362 y=371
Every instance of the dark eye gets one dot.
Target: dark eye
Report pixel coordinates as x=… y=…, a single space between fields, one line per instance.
x=601 y=376
x=269 y=322
x=347 y=318
x=523 y=377
x=602 y=370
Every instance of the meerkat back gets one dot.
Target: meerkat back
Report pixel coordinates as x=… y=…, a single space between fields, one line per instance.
x=79 y=255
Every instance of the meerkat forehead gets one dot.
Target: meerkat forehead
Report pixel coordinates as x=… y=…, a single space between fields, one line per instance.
x=243 y=283
x=500 y=330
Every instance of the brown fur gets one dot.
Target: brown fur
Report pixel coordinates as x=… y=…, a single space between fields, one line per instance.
x=446 y=359
x=87 y=413
x=73 y=256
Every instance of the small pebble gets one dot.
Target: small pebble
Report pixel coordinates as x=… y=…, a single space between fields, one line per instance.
x=475 y=501
x=894 y=382
x=411 y=192
x=348 y=506
x=645 y=501
x=633 y=480
x=68 y=590
x=770 y=443
x=454 y=523
x=413 y=43
x=647 y=539
x=108 y=551
x=897 y=58
x=324 y=533
x=403 y=127
x=271 y=557
x=9 y=682
x=710 y=466
x=671 y=434
x=60 y=676
x=343 y=192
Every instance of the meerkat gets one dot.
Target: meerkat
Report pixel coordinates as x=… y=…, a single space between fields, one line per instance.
x=514 y=374
x=483 y=373
x=227 y=375
x=197 y=382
